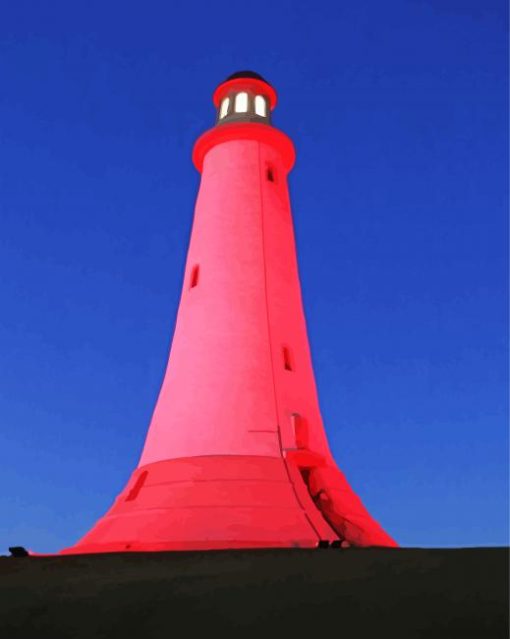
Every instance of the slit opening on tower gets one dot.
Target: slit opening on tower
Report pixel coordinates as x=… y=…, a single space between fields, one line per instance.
x=287 y=359
x=193 y=280
x=300 y=427
x=133 y=493
x=270 y=173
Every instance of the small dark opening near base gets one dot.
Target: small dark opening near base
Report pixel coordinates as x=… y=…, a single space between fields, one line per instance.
x=323 y=543
x=194 y=276
x=305 y=474
x=301 y=434
x=133 y=493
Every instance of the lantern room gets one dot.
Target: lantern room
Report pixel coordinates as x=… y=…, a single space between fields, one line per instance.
x=244 y=97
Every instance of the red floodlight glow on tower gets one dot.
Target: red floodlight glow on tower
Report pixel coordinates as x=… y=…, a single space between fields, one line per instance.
x=236 y=455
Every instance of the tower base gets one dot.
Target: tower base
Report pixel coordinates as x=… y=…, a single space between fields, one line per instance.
x=210 y=502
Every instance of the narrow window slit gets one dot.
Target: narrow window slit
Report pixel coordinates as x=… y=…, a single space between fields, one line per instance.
x=270 y=174
x=300 y=427
x=194 y=276
x=133 y=493
x=287 y=359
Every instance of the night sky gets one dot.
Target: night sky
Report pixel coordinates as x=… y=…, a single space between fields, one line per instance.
x=398 y=111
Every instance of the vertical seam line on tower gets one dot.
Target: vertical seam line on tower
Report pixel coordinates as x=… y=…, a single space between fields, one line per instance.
x=261 y=194
x=261 y=197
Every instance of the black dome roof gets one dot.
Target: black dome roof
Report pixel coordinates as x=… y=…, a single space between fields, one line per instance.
x=246 y=74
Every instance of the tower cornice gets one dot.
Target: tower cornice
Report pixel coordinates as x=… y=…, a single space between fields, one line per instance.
x=244 y=131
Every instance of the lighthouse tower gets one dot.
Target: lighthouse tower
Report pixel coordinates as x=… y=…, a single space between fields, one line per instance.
x=236 y=455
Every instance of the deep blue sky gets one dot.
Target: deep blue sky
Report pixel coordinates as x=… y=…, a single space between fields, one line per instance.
x=399 y=115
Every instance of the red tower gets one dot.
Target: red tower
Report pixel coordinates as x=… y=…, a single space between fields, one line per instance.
x=236 y=455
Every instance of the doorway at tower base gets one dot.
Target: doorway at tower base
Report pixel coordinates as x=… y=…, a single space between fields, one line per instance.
x=336 y=501
x=221 y=502
x=344 y=510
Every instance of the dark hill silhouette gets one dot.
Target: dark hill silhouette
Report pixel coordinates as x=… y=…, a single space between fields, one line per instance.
x=383 y=593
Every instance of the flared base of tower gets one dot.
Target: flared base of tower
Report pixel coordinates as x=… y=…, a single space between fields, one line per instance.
x=216 y=502
x=206 y=503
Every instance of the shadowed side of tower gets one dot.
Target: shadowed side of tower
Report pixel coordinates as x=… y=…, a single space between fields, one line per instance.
x=236 y=454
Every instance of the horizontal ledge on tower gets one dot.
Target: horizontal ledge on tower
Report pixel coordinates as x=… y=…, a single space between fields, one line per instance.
x=244 y=131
